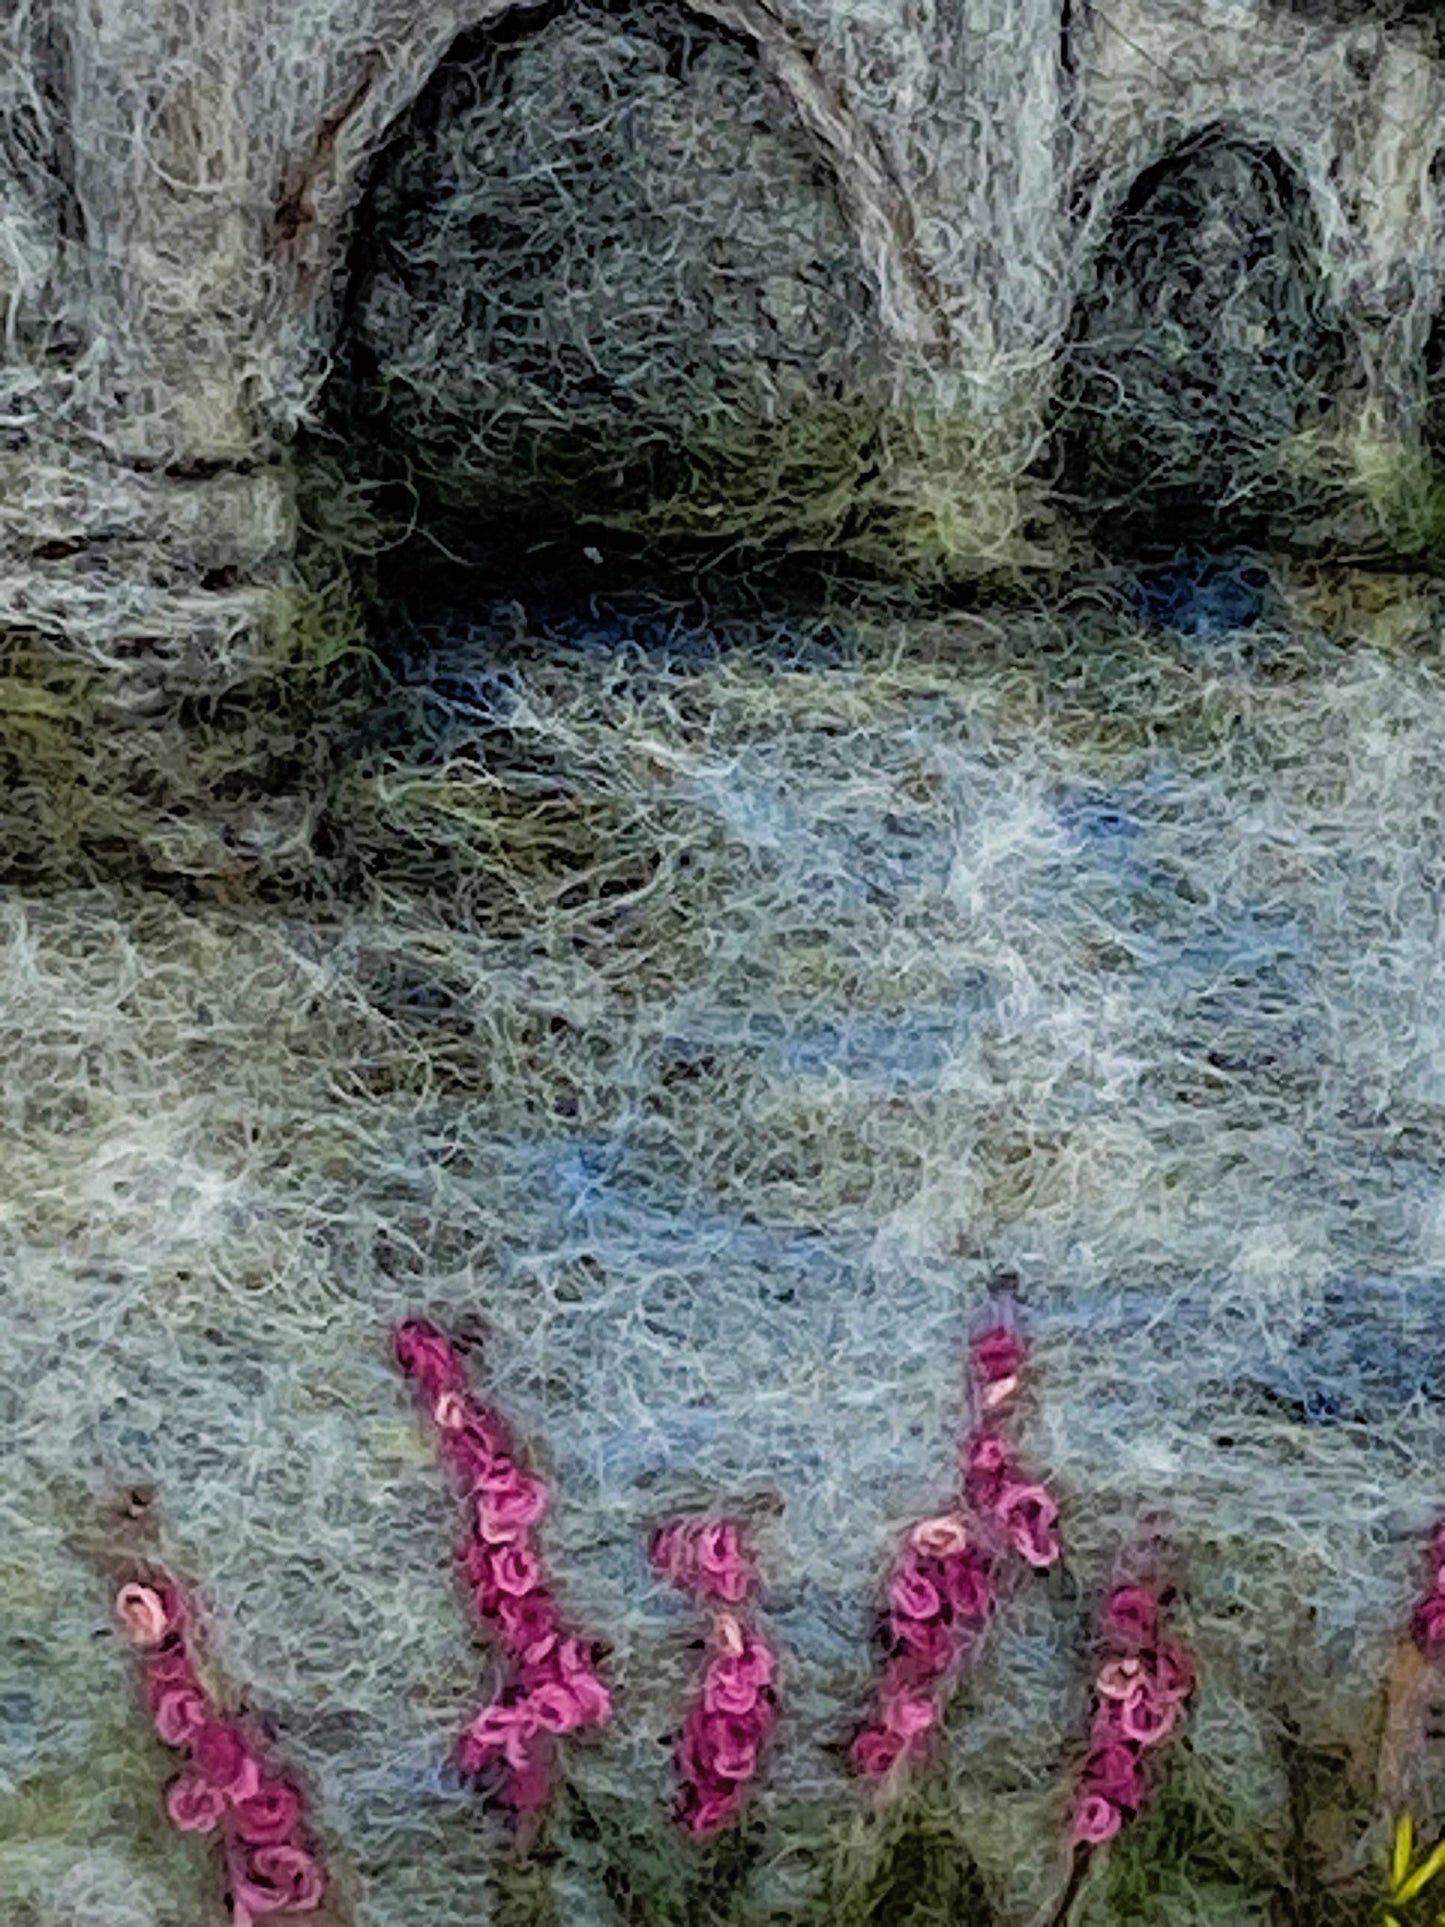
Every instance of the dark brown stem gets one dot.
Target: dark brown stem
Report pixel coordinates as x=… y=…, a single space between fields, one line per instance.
x=1078 y=1874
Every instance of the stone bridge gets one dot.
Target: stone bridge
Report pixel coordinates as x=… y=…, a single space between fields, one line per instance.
x=178 y=229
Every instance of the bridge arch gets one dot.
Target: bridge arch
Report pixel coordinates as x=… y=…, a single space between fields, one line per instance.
x=1204 y=346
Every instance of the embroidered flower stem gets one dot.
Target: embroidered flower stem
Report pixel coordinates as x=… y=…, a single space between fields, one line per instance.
x=227 y=1788
x=720 y=1747
x=551 y=1686
x=1141 y=1686
x=946 y=1580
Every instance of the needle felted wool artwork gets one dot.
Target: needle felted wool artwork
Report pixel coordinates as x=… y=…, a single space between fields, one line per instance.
x=722 y=1161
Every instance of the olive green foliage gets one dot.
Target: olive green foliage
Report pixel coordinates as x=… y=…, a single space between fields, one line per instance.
x=1190 y=1861
x=907 y=1865
x=205 y=771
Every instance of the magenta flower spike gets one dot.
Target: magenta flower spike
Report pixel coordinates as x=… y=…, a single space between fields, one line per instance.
x=946 y=1579
x=1427 y=1622
x=729 y=1724
x=227 y=1788
x=1141 y=1686
x=552 y=1686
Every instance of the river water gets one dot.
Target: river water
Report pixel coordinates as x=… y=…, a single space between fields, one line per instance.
x=724 y=1006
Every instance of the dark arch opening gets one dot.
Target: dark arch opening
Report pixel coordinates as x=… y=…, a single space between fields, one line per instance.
x=602 y=298
x=1201 y=349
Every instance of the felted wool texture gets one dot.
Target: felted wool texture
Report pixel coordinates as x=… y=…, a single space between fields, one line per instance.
x=716 y=1007
x=723 y=1008
x=662 y=375
x=1206 y=347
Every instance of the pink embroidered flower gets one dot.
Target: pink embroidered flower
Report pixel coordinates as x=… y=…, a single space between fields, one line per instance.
x=1114 y=1771
x=424 y=1354
x=593 y=1698
x=1428 y=1626
x=707 y=1813
x=941 y=1538
x=220 y=1754
x=525 y=1620
x=876 y=1751
x=1145 y=1717
x=1106 y=1728
x=1139 y=1691
x=672 y=1553
x=224 y=1791
x=1027 y=1515
x=194 y=1805
x=555 y=1707
x=928 y=1646
x=909 y=1716
x=516 y=1570
x=997 y=1354
x=280 y=1879
x=985 y=1469
x=1427 y=1622
x=945 y=1584
x=719 y=1747
x=705 y=1557
x=724 y=1569
x=1096 y=1819
x=270 y=1815
x=179 y=1714
x=476 y=1445
x=577 y=1672
x=506 y=1507
x=498 y=1731
x=729 y=1687
x=996 y=1358
x=729 y=1747
x=163 y=1672
x=1132 y=1614
x=912 y=1596
x=552 y=1687
x=146 y=1616
x=967 y=1585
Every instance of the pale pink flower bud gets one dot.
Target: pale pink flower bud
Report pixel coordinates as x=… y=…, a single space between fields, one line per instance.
x=908 y=1715
x=941 y=1537
x=1117 y=1678
x=450 y=1411
x=728 y=1635
x=144 y=1616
